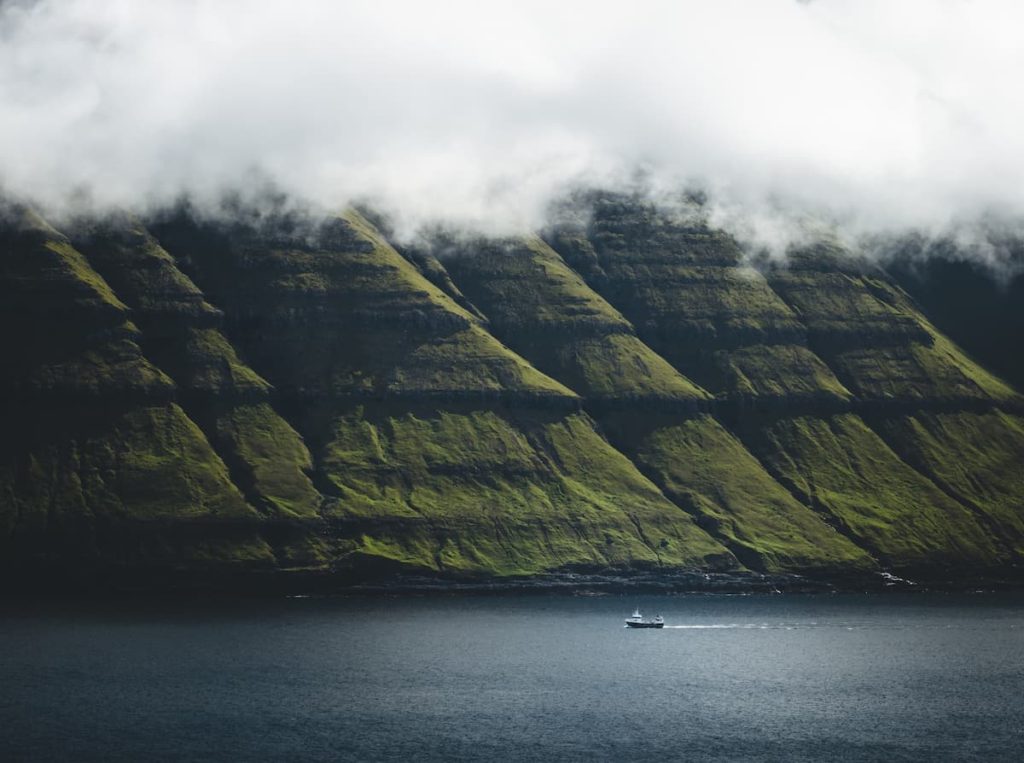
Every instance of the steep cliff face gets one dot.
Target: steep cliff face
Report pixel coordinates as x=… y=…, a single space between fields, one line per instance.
x=684 y=287
x=434 y=445
x=181 y=334
x=289 y=393
x=651 y=411
x=99 y=462
x=900 y=368
x=538 y=305
x=796 y=359
x=978 y=306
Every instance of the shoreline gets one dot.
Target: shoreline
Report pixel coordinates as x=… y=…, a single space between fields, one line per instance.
x=133 y=583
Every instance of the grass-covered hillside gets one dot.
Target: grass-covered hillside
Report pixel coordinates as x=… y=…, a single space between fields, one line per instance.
x=287 y=394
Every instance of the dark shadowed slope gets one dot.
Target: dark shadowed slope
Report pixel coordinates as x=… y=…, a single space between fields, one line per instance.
x=99 y=462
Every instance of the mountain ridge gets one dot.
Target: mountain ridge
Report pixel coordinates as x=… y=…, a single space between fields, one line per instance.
x=288 y=396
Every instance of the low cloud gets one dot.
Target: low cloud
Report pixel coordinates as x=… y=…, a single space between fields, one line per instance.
x=882 y=116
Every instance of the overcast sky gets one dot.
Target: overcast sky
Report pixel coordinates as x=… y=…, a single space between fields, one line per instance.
x=900 y=113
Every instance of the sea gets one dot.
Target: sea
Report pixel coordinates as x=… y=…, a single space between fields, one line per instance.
x=886 y=677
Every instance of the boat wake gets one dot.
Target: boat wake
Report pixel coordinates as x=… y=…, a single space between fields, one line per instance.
x=742 y=626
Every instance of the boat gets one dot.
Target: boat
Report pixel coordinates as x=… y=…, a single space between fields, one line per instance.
x=636 y=620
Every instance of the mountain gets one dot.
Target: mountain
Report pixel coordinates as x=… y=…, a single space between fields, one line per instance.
x=980 y=306
x=279 y=396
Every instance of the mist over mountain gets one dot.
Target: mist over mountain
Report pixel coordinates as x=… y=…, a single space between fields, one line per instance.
x=875 y=115
x=360 y=291
x=364 y=363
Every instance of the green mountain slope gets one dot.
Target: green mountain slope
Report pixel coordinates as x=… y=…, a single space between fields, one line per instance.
x=878 y=342
x=181 y=334
x=435 y=446
x=685 y=288
x=974 y=457
x=538 y=306
x=274 y=393
x=839 y=466
x=708 y=471
x=98 y=461
x=827 y=334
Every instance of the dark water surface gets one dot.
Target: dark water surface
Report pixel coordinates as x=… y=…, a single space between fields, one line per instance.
x=925 y=677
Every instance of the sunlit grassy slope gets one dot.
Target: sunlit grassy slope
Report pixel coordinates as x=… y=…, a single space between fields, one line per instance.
x=974 y=457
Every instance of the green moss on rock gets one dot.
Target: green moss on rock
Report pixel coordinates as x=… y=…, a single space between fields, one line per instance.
x=66 y=469
x=706 y=470
x=547 y=313
x=785 y=372
x=381 y=328
x=505 y=495
x=268 y=459
x=843 y=469
x=976 y=458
